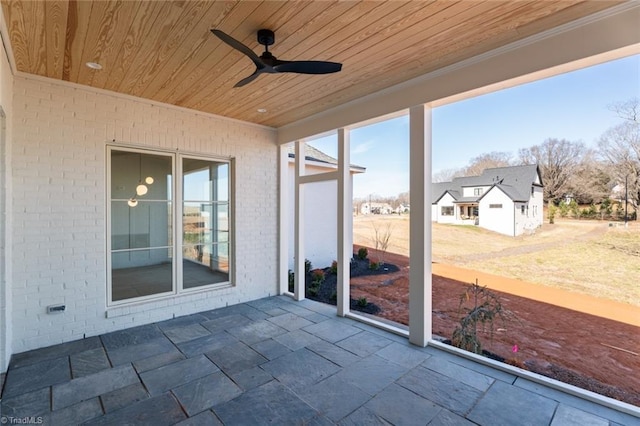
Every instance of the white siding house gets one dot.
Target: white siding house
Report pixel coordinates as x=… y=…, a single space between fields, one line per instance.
x=507 y=200
x=320 y=207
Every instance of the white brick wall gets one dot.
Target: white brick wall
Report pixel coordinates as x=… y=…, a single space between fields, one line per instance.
x=59 y=203
x=6 y=87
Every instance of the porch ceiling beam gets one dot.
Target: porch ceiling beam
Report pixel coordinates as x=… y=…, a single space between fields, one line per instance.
x=611 y=34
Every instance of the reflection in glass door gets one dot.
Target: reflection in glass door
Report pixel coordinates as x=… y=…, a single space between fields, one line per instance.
x=141 y=224
x=205 y=222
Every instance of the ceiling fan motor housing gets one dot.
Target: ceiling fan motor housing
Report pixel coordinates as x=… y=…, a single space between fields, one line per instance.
x=266 y=37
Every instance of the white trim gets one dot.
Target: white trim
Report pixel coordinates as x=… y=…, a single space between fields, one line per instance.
x=319 y=177
x=299 y=285
x=596 y=398
x=283 y=219
x=596 y=38
x=117 y=95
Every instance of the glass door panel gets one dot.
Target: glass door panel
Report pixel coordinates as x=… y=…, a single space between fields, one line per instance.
x=141 y=230
x=205 y=224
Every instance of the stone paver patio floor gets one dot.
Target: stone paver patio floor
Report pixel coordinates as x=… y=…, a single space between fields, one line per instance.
x=278 y=362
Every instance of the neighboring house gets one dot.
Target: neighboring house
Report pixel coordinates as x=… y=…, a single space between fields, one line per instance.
x=320 y=207
x=507 y=200
x=376 y=208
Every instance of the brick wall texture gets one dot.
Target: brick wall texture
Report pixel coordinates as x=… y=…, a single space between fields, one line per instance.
x=59 y=138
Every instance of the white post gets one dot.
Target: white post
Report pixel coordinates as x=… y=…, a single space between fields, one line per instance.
x=284 y=220
x=420 y=322
x=299 y=288
x=345 y=222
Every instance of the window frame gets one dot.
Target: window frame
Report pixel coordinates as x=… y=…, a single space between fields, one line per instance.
x=176 y=214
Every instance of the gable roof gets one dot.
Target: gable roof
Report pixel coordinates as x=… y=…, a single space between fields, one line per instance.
x=514 y=181
x=314 y=154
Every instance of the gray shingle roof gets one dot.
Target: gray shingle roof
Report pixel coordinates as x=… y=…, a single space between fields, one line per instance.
x=515 y=181
x=314 y=154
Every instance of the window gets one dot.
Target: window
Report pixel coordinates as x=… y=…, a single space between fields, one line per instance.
x=168 y=235
x=446 y=211
x=478 y=191
x=522 y=209
x=495 y=206
x=533 y=190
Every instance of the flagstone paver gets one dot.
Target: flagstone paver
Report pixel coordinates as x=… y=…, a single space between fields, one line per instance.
x=83 y=388
x=277 y=361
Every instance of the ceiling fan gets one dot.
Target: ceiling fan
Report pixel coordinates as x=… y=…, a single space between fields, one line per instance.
x=267 y=63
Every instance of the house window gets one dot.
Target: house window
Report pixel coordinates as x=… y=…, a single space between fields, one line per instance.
x=169 y=222
x=522 y=209
x=446 y=210
x=495 y=206
x=533 y=190
x=478 y=191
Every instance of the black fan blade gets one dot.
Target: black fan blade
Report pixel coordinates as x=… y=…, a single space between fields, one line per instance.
x=239 y=47
x=249 y=79
x=307 y=67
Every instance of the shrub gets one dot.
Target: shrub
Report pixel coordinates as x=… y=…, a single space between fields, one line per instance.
x=363 y=253
x=362 y=302
x=479 y=308
x=307 y=265
x=317 y=276
x=334 y=267
x=374 y=266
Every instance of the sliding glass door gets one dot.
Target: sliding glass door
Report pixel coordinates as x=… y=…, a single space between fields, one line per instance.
x=145 y=208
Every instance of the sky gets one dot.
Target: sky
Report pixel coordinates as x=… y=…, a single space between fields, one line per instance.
x=571 y=106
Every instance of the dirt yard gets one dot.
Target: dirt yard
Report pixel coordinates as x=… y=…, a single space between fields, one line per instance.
x=586 y=257
x=585 y=350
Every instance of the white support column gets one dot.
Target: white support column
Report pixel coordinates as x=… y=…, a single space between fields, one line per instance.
x=285 y=220
x=299 y=290
x=345 y=222
x=420 y=322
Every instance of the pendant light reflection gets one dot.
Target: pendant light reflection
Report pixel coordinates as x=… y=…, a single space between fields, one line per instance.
x=141 y=189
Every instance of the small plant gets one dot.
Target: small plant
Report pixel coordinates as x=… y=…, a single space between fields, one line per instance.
x=317 y=276
x=334 y=267
x=374 y=266
x=362 y=302
x=552 y=213
x=307 y=265
x=363 y=253
x=479 y=308
x=313 y=291
x=382 y=238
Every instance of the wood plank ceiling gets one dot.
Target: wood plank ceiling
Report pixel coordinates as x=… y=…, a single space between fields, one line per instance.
x=164 y=51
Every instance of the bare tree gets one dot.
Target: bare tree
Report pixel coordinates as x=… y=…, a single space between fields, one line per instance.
x=620 y=149
x=590 y=182
x=487 y=161
x=558 y=160
x=446 y=175
x=628 y=110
